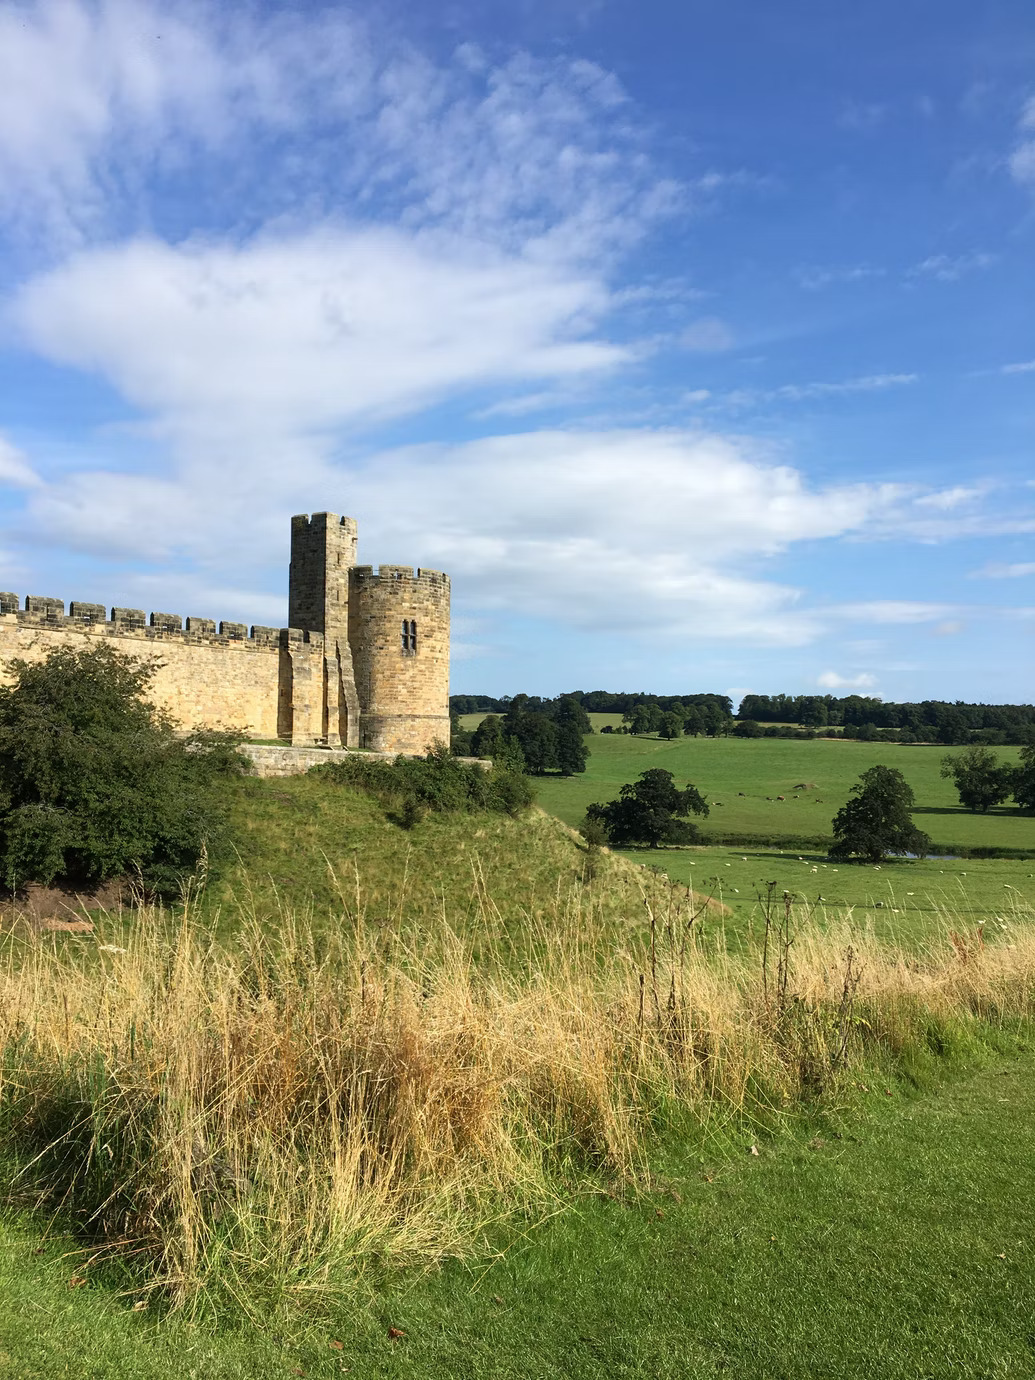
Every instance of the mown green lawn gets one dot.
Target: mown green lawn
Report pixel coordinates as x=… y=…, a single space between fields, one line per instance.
x=893 y=1243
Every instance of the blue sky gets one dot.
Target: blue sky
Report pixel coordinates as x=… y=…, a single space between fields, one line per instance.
x=695 y=340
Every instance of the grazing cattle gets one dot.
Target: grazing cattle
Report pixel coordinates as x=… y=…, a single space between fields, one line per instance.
x=781 y=797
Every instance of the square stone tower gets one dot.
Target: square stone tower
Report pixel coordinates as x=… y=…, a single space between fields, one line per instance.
x=323 y=552
x=384 y=636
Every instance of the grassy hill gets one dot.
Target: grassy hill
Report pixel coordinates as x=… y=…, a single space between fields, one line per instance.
x=467 y=1081
x=308 y=844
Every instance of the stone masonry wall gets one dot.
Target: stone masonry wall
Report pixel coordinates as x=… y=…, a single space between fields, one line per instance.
x=404 y=692
x=205 y=678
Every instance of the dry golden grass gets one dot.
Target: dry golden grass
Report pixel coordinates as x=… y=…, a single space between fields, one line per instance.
x=264 y=1116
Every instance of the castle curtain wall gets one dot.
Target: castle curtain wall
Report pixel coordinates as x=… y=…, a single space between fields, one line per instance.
x=211 y=681
x=366 y=664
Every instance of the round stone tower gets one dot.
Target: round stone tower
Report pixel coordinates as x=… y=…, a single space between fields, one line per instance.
x=399 y=634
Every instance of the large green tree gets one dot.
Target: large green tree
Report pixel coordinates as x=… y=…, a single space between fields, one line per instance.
x=651 y=810
x=572 y=724
x=1024 y=778
x=96 y=782
x=980 y=778
x=878 y=820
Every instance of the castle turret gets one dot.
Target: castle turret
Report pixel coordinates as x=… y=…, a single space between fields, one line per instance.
x=399 y=631
x=323 y=550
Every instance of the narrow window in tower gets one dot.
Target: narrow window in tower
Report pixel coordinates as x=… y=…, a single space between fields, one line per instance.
x=409 y=635
x=413 y=635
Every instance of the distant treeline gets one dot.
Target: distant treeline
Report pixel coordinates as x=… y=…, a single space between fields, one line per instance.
x=547 y=735
x=936 y=721
x=592 y=701
x=851 y=716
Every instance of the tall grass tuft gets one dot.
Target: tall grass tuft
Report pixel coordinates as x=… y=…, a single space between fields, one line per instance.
x=261 y=1118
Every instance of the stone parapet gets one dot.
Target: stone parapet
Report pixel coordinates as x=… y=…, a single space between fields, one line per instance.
x=271 y=759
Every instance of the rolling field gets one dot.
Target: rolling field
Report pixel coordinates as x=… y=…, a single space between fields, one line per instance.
x=904 y=900
x=741 y=773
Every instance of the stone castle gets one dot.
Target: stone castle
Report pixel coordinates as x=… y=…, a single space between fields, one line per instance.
x=364 y=662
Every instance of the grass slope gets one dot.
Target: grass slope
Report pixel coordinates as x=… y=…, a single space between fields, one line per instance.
x=901 y=1244
x=305 y=837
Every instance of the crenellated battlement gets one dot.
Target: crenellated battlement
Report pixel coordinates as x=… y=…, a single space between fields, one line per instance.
x=47 y=613
x=388 y=574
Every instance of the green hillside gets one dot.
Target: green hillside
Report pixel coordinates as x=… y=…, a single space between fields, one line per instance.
x=308 y=842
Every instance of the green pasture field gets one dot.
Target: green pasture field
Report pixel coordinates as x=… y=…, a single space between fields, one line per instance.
x=785 y=841
x=741 y=773
x=895 y=1241
x=903 y=902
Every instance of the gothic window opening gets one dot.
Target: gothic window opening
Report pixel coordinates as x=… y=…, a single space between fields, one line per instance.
x=409 y=635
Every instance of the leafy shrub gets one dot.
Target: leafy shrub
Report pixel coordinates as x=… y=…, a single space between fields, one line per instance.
x=437 y=782
x=95 y=781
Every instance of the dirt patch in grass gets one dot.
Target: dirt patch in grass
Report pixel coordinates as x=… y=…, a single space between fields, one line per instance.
x=59 y=909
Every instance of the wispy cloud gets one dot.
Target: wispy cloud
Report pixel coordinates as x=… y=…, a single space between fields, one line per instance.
x=894 y=611
x=15 y=469
x=814 y=278
x=999 y=570
x=949 y=268
x=1026 y=366
x=708 y=335
x=1022 y=159
x=945 y=500
x=806 y=392
x=831 y=680
x=862 y=116
x=103 y=105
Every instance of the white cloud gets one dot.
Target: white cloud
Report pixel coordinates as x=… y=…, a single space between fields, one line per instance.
x=947 y=268
x=310 y=331
x=15 y=469
x=1003 y=571
x=654 y=532
x=708 y=335
x=1026 y=366
x=830 y=680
